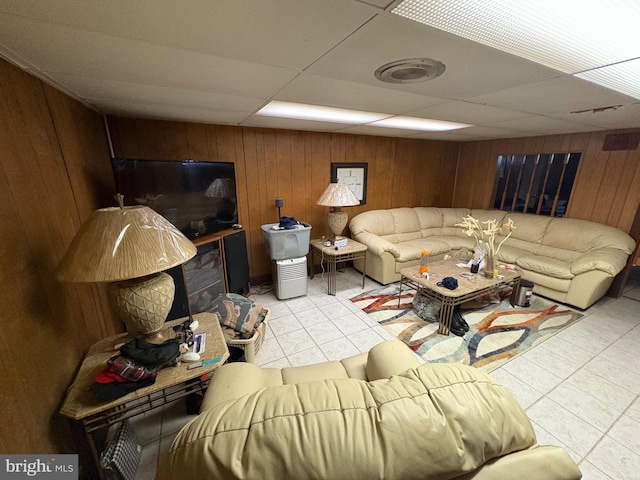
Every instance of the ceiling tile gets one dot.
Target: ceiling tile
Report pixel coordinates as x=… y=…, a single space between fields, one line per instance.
x=160 y=112
x=378 y=131
x=471 y=69
x=625 y=116
x=542 y=125
x=262 y=32
x=57 y=49
x=559 y=95
x=318 y=90
x=467 y=112
x=99 y=89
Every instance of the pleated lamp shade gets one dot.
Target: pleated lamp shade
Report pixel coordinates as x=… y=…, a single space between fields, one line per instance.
x=129 y=246
x=337 y=195
x=123 y=243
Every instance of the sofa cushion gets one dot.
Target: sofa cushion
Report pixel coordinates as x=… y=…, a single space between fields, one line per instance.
x=517 y=244
x=509 y=254
x=551 y=283
x=451 y=216
x=551 y=267
x=412 y=250
x=457 y=243
x=529 y=228
x=568 y=256
x=377 y=222
x=405 y=220
x=430 y=219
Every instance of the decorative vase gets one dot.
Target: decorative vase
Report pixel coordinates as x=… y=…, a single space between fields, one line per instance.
x=489 y=265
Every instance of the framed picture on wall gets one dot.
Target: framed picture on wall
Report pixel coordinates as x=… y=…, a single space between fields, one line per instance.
x=354 y=175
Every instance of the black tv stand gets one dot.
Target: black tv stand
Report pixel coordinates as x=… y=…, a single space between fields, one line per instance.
x=220 y=266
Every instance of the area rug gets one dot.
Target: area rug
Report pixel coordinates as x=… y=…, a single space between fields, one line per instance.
x=497 y=333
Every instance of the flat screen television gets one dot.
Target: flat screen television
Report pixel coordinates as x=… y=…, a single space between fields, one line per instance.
x=197 y=197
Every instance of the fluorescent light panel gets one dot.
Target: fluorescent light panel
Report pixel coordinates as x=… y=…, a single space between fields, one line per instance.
x=571 y=36
x=318 y=113
x=303 y=111
x=622 y=77
x=423 y=124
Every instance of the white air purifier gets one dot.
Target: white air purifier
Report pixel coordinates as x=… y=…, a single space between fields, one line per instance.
x=290 y=277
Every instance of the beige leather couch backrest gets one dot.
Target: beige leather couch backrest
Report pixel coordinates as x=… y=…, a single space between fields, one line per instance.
x=451 y=216
x=483 y=215
x=584 y=236
x=376 y=222
x=431 y=422
x=430 y=219
x=405 y=224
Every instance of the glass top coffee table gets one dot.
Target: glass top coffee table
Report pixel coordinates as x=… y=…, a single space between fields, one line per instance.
x=468 y=288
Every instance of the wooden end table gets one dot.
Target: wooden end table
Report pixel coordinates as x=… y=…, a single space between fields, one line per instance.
x=172 y=383
x=352 y=251
x=468 y=289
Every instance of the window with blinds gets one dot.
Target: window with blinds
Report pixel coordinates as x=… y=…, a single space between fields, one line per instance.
x=537 y=183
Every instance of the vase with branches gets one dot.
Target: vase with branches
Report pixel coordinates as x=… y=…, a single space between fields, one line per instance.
x=485 y=234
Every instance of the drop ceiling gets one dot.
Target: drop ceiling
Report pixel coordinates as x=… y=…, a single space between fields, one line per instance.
x=221 y=61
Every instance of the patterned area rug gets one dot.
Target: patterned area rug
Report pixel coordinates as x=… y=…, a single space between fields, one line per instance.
x=497 y=333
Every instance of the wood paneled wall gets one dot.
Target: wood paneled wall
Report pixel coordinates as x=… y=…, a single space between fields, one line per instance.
x=296 y=166
x=54 y=171
x=606 y=189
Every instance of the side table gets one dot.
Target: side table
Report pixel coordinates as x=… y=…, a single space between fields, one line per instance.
x=172 y=383
x=352 y=251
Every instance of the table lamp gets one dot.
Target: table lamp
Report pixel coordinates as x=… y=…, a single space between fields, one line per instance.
x=129 y=246
x=336 y=196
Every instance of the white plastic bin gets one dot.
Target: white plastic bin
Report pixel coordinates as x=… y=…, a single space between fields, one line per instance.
x=284 y=244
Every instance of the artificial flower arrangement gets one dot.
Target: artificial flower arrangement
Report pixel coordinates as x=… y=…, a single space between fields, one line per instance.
x=486 y=237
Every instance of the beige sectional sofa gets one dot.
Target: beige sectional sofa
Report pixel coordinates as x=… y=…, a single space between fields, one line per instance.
x=375 y=415
x=569 y=260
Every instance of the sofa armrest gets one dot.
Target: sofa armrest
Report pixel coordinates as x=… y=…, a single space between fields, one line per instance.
x=609 y=260
x=390 y=358
x=376 y=245
x=541 y=462
x=225 y=384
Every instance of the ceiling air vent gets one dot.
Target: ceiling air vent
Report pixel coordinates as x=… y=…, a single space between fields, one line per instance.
x=411 y=70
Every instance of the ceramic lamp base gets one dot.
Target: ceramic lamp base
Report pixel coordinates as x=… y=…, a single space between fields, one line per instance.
x=143 y=303
x=337 y=220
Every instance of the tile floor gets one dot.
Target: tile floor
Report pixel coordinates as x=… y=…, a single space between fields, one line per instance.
x=580 y=388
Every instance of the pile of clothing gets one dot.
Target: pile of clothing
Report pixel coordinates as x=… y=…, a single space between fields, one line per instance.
x=136 y=366
x=288 y=223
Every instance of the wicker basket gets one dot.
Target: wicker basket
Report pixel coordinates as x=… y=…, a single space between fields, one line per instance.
x=249 y=345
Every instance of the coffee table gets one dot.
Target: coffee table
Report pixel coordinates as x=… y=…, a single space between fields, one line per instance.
x=172 y=383
x=468 y=289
